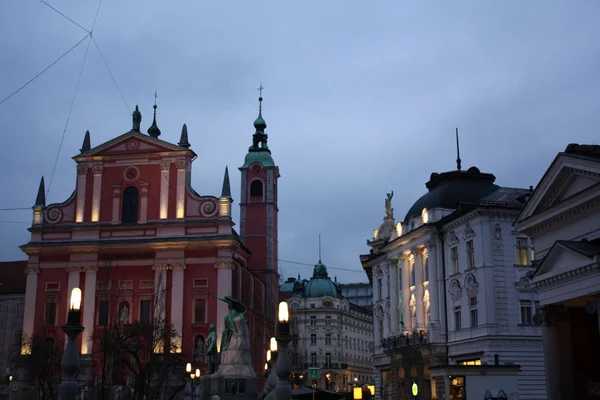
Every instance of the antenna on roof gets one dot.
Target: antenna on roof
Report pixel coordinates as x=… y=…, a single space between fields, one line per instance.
x=319 y=247
x=457 y=151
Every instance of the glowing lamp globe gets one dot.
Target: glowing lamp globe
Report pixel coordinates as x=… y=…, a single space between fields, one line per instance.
x=76 y=299
x=284 y=314
x=273 y=344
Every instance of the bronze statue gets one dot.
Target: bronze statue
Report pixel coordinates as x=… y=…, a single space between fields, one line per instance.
x=389 y=211
x=236 y=311
x=137 y=119
x=211 y=350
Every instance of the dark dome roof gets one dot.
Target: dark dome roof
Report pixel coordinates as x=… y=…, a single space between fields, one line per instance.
x=447 y=189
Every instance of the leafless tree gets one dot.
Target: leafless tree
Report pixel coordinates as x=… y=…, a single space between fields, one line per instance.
x=42 y=364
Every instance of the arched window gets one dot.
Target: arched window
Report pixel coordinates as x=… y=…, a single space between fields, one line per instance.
x=256 y=189
x=130 y=205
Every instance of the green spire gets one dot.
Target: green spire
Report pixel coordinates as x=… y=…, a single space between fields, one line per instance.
x=260 y=123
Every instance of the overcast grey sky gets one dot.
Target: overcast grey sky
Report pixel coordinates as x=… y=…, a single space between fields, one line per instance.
x=361 y=98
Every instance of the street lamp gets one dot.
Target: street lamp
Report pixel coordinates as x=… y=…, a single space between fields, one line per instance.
x=357 y=392
x=283 y=367
x=69 y=388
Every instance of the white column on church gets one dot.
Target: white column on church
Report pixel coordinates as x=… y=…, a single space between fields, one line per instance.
x=165 y=169
x=97 y=192
x=180 y=201
x=89 y=309
x=160 y=293
x=81 y=185
x=394 y=296
x=177 y=291
x=144 y=203
x=406 y=293
x=419 y=292
x=29 y=310
x=224 y=275
x=116 y=207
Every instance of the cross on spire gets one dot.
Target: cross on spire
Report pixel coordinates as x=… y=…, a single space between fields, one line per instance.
x=155 y=96
x=260 y=89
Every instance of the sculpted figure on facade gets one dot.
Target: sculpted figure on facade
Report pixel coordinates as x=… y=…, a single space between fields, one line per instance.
x=137 y=119
x=211 y=350
x=389 y=211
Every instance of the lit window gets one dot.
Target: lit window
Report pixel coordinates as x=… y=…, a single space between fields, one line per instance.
x=470 y=362
x=522 y=251
x=470 y=255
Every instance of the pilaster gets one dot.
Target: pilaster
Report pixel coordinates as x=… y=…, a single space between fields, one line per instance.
x=32 y=272
x=97 y=170
x=144 y=202
x=394 y=296
x=406 y=292
x=116 y=207
x=165 y=169
x=224 y=275
x=89 y=308
x=418 y=253
x=181 y=176
x=81 y=186
x=434 y=283
x=177 y=279
x=160 y=293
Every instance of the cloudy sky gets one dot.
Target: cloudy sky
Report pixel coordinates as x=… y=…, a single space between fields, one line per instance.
x=361 y=98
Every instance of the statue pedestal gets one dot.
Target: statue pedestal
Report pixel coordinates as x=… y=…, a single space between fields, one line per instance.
x=235 y=378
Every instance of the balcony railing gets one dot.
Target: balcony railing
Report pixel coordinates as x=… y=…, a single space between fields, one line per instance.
x=406 y=340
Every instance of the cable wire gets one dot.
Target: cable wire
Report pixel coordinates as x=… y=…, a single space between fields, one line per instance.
x=44 y=70
x=312 y=265
x=42 y=1
x=111 y=75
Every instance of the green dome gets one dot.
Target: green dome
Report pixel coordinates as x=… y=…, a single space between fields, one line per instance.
x=260 y=123
x=263 y=157
x=320 y=284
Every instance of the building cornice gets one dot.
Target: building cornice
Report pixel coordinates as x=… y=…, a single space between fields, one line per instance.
x=498 y=213
x=541 y=283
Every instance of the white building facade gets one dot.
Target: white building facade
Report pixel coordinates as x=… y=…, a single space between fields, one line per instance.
x=563 y=218
x=452 y=303
x=329 y=333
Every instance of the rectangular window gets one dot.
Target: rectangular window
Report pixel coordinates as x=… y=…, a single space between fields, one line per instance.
x=474 y=320
x=200 y=282
x=328 y=338
x=425 y=268
x=379 y=289
x=327 y=360
x=125 y=285
x=470 y=255
x=104 y=285
x=313 y=359
x=526 y=312
x=457 y=318
x=145 y=311
x=313 y=320
x=521 y=251
x=312 y=305
x=470 y=362
x=199 y=311
x=454 y=259
x=313 y=339
x=328 y=320
x=50 y=313
x=52 y=286
x=146 y=284
x=103 y=313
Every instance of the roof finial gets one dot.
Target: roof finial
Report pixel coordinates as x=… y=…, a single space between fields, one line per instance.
x=40 y=200
x=183 y=139
x=260 y=123
x=86 y=142
x=137 y=119
x=153 y=130
x=319 y=247
x=457 y=152
x=226 y=191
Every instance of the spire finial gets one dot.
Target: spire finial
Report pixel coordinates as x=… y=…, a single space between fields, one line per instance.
x=457 y=152
x=226 y=191
x=86 y=142
x=40 y=200
x=183 y=139
x=153 y=130
x=319 y=247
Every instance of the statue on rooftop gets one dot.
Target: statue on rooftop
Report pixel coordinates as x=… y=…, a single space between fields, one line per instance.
x=389 y=211
x=137 y=119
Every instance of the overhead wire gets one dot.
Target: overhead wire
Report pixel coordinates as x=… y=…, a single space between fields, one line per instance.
x=312 y=265
x=111 y=75
x=69 y=19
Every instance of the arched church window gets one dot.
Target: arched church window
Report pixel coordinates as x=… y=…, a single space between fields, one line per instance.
x=130 y=205
x=256 y=188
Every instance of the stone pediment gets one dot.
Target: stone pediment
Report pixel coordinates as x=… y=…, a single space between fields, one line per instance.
x=131 y=143
x=566 y=256
x=567 y=177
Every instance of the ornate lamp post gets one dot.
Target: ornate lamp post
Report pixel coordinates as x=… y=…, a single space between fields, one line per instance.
x=283 y=366
x=69 y=387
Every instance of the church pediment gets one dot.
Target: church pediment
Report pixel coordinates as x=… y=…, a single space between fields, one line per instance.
x=567 y=177
x=566 y=256
x=131 y=143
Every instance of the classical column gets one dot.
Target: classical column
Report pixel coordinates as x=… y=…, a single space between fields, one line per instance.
x=89 y=308
x=165 y=169
x=406 y=292
x=434 y=306
x=177 y=302
x=394 y=296
x=181 y=175
x=224 y=275
x=144 y=202
x=81 y=184
x=160 y=294
x=97 y=170
x=419 y=292
x=32 y=272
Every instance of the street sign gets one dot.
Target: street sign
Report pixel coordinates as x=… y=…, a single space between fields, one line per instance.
x=313 y=373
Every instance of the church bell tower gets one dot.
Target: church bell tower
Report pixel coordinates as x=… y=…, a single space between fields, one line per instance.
x=258 y=211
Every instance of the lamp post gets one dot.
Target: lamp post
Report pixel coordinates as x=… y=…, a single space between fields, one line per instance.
x=283 y=367
x=69 y=387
